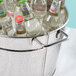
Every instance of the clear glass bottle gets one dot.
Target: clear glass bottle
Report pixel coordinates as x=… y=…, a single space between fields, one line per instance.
x=20 y=26
x=51 y=20
x=39 y=8
x=26 y=10
x=34 y=28
x=6 y=23
x=18 y=11
x=10 y=7
x=62 y=12
x=5 y=20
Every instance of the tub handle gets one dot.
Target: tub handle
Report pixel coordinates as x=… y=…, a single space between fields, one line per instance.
x=42 y=45
x=59 y=41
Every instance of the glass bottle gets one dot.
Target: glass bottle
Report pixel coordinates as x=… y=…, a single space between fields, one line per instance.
x=20 y=26
x=34 y=28
x=26 y=10
x=62 y=12
x=39 y=8
x=18 y=11
x=17 y=8
x=10 y=7
x=62 y=3
x=51 y=20
x=5 y=20
x=7 y=26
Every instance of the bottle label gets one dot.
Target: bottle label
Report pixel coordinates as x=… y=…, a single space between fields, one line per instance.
x=2 y=12
x=25 y=11
x=10 y=14
x=39 y=7
x=55 y=6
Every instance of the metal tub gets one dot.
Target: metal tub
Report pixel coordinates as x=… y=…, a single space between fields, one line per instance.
x=31 y=56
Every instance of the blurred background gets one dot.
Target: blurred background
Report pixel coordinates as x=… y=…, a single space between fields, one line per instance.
x=71 y=6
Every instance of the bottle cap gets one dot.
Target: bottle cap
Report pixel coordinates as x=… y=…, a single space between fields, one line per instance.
x=19 y=19
x=1 y=1
x=22 y=1
x=2 y=13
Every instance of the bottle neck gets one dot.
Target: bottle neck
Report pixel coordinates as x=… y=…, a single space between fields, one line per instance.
x=26 y=5
x=26 y=10
x=62 y=4
x=48 y=4
x=16 y=3
x=55 y=7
